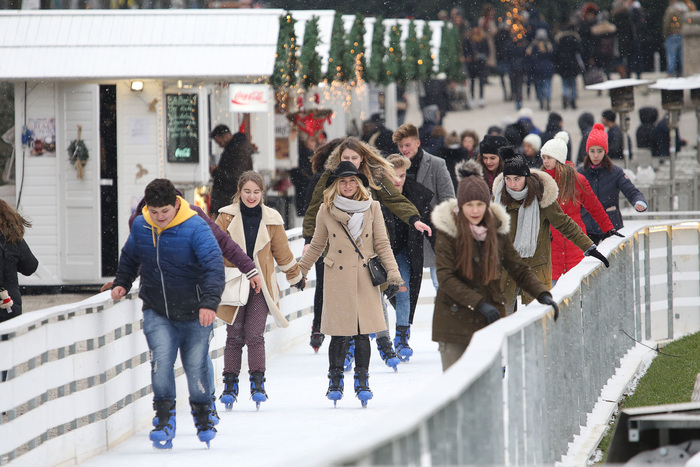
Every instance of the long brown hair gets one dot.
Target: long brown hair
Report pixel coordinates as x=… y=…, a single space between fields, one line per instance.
x=569 y=184
x=12 y=224
x=372 y=163
x=322 y=153
x=535 y=191
x=606 y=163
x=465 y=245
x=249 y=176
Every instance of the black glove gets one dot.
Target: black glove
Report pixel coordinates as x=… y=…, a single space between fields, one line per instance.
x=301 y=284
x=612 y=232
x=592 y=251
x=391 y=291
x=546 y=299
x=489 y=311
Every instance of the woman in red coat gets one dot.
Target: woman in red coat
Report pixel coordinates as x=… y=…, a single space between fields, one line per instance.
x=574 y=191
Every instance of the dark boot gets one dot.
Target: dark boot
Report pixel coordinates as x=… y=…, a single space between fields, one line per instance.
x=230 y=394
x=316 y=339
x=565 y=103
x=336 y=384
x=257 y=388
x=403 y=333
x=362 y=390
x=386 y=351
x=164 y=432
x=202 y=421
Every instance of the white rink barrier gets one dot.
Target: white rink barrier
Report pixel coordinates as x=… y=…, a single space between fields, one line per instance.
x=76 y=378
x=526 y=384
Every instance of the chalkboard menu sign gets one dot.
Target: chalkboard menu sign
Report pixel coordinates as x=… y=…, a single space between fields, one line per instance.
x=182 y=127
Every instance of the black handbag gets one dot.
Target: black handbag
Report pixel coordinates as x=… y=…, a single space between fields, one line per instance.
x=377 y=271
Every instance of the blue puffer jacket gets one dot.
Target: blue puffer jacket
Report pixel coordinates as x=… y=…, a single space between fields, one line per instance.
x=182 y=269
x=607 y=185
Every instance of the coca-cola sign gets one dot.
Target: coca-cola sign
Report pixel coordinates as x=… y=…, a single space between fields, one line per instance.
x=248 y=97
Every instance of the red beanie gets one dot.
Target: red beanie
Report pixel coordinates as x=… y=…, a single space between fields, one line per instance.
x=597 y=137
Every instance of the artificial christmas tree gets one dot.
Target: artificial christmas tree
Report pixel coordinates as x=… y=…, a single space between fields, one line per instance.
x=376 y=72
x=394 y=61
x=309 y=59
x=355 y=55
x=284 y=75
x=337 y=64
x=451 y=54
x=412 y=54
x=425 y=54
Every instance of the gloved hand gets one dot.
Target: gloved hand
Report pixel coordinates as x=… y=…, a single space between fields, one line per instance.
x=612 y=232
x=391 y=291
x=546 y=299
x=5 y=300
x=301 y=284
x=592 y=251
x=489 y=311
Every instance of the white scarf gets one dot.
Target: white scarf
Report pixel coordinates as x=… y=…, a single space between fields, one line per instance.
x=356 y=209
x=528 y=229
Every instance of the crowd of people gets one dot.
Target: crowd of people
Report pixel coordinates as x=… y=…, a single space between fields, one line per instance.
x=524 y=51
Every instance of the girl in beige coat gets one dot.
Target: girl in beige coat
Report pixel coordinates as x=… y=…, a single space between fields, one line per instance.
x=351 y=304
x=259 y=230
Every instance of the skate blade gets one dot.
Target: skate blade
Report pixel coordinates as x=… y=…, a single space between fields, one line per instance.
x=257 y=406
x=316 y=350
x=165 y=446
x=364 y=404
x=228 y=407
x=207 y=443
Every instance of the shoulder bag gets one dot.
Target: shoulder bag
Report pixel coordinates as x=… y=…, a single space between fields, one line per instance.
x=236 y=289
x=376 y=269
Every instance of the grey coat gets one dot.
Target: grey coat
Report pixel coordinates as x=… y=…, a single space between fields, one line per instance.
x=433 y=175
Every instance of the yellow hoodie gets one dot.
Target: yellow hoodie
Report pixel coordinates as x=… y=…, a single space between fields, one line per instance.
x=184 y=213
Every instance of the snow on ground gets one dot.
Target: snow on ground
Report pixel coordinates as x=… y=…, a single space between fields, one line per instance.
x=297 y=419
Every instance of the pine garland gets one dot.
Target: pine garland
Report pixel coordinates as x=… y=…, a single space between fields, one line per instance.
x=309 y=59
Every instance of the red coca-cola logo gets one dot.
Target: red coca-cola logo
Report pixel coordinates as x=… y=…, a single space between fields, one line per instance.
x=244 y=98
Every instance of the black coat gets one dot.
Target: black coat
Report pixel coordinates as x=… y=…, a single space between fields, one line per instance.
x=452 y=157
x=565 y=61
x=420 y=196
x=14 y=258
x=236 y=159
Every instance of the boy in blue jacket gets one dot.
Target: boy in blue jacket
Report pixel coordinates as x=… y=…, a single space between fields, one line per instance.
x=182 y=278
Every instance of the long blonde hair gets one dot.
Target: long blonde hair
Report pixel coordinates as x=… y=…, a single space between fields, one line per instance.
x=333 y=191
x=12 y=224
x=373 y=164
x=249 y=176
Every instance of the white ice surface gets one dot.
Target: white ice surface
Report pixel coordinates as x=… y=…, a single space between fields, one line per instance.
x=297 y=420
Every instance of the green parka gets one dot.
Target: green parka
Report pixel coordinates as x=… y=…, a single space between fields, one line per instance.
x=550 y=214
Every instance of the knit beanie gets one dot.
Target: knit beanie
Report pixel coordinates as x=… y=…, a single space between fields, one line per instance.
x=597 y=137
x=492 y=143
x=513 y=163
x=534 y=140
x=471 y=183
x=556 y=147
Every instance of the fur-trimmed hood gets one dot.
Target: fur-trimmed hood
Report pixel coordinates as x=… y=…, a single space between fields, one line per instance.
x=551 y=190
x=443 y=217
x=334 y=160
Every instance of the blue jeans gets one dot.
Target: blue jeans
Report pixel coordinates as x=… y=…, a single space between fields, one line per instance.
x=165 y=337
x=674 y=54
x=543 y=88
x=403 y=299
x=433 y=276
x=569 y=88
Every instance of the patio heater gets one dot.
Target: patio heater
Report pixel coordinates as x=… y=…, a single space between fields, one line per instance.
x=672 y=90
x=622 y=103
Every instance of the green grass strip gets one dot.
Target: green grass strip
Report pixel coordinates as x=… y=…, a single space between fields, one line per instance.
x=669 y=380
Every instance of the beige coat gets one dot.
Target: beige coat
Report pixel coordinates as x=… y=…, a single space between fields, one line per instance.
x=351 y=304
x=271 y=245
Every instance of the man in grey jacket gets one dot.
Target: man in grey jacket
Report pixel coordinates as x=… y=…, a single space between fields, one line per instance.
x=431 y=172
